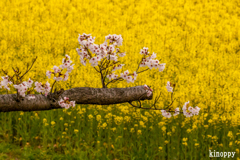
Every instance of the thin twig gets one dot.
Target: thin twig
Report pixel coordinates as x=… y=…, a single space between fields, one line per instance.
x=143 y=71
x=52 y=86
x=115 y=80
x=28 y=69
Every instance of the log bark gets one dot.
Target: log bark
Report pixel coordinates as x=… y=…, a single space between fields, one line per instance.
x=81 y=95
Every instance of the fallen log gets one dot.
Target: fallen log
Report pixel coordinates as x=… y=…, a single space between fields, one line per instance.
x=81 y=95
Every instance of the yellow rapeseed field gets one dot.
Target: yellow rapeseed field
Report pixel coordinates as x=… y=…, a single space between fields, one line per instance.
x=199 y=40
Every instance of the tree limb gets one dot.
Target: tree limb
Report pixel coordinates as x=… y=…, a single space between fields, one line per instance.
x=81 y=95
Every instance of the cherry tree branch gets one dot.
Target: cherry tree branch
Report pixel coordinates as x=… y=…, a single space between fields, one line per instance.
x=81 y=95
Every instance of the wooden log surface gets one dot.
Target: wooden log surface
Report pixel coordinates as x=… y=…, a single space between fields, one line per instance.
x=81 y=95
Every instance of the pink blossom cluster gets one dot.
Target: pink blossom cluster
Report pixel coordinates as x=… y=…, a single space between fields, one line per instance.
x=169 y=88
x=86 y=39
x=144 y=51
x=127 y=77
x=190 y=111
x=42 y=88
x=115 y=39
x=168 y=114
x=112 y=76
x=117 y=67
x=186 y=112
x=22 y=88
x=82 y=52
x=94 y=60
x=66 y=103
x=5 y=83
x=110 y=52
x=103 y=50
x=148 y=90
x=150 y=62
x=66 y=63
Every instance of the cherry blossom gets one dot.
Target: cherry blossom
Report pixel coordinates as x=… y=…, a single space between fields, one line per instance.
x=169 y=88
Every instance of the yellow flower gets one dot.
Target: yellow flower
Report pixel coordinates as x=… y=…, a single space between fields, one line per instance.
x=109 y=108
x=188 y=130
x=90 y=116
x=209 y=136
x=145 y=119
x=141 y=123
x=164 y=129
x=83 y=110
x=185 y=139
x=223 y=118
x=184 y=143
x=183 y=124
x=127 y=118
x=104 y=125
x=21 y=113
x=118 y=120
x=166 y=142
x=209 y=121
x=98 y=117
x=132 y=130
x=139 y=132
x=64 y=132
x=80 y=112
x=237 y=150
x=75 y=131
x=196 y=144
x=160 y=148
x=161 y=123
x=230 y=134
x=61 y=118
x=194 y=126
x=215 y=137
x=44 y=120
